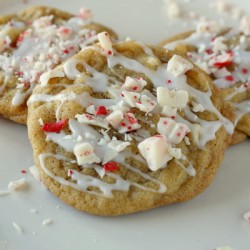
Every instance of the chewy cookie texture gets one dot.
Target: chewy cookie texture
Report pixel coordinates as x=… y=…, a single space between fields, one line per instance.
x=32 y=42
x=106 y=139
x=223 y=53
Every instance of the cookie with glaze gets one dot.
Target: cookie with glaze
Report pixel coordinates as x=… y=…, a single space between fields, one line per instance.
x=207 y=43
x=32 y=42
x=124 y=136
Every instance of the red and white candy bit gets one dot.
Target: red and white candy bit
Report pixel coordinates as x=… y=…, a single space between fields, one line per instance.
x=115 y=118
x=92 y=120
x=223 y=60
x=105 y=42
x=246 y=85
x=155 y=151
x=146 y=104
x=131 y=98
x=85 y=154
x=111 y=166
x=134 y=85
x=85 y=13
x=43 y=22
x=70 y=172
x=23 y=171
x=177 y=65
x=64 y=32
x=246 y=216
x=129 y=123
x=54 y=127
x=174 y=131
x=101 y=110
x=21 y=37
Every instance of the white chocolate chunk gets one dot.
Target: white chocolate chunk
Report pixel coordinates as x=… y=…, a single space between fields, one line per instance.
x=43 y=22
x=155 y=151
x=118 y=146
x=146 y=104
x=105 y=42
x=45 y=77
x=177 y=65
x=92 y=120
x=219 y=44
x=134 y=85
x=17 y=185
x=115 y=118
x=168 y=111
x=85 y=154
x=130 y=98
x=172 y=98
x=245 y=25
x=175 y=132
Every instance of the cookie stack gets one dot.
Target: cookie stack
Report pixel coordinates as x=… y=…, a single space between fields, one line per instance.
x=119 y=127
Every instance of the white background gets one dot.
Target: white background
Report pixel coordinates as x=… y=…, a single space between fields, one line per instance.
x=214 y=218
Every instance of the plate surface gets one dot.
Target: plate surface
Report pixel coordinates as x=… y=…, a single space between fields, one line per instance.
x=214 y=218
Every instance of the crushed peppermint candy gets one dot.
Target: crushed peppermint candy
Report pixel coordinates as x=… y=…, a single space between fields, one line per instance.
x=47 y=222
x=54 y=127
x=105 y=42
x=177 y=65
x=111 y=166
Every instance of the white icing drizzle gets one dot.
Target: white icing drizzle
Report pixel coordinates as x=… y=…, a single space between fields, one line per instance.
x=84 y=134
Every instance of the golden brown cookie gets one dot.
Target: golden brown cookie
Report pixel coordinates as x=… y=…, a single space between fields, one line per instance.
x=32 y=42
x=126 y=128
x=224 y=54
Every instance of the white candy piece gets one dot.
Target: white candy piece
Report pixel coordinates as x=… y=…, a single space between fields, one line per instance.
x=92 y=120
x=175 y=132
x=219 y=44
x=197 y=107
x=64 y=32
x=155 y=151
x=245 y=25
x=134 y=85
x=85 y=13
x=115 y=118
x=174 y=10
x=208 y=27
x=172 y=98
x=84 y=153
x=196 y=132
x=146 y=104
x=168 y=111
x=105 y=42
x=118 y=146
x=91 y=110
x=131 y=98
x=177 y=65
x=43 y=22
x=45 y=77
x=246 y=216
x=175 y=152
x=17 y=185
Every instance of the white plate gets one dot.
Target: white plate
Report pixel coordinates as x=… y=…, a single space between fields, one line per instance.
x=212 y=219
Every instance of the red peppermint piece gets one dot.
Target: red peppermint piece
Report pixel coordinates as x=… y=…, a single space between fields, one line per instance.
x=223 y=64
x=23 y=171
x=229 y=78
x=111 y=166
x=101 y=110
x=225 y=60
x=54 y=127
x=244 y=71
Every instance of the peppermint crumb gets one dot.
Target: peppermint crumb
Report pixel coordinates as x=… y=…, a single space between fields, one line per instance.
x=246 y=216
x=18 y=228
x=33 y=211
x=17 y=185
x=47 y=222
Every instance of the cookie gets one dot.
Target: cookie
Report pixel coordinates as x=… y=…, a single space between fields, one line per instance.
x=32 y=42
x=224 y=55
x=121 y=128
